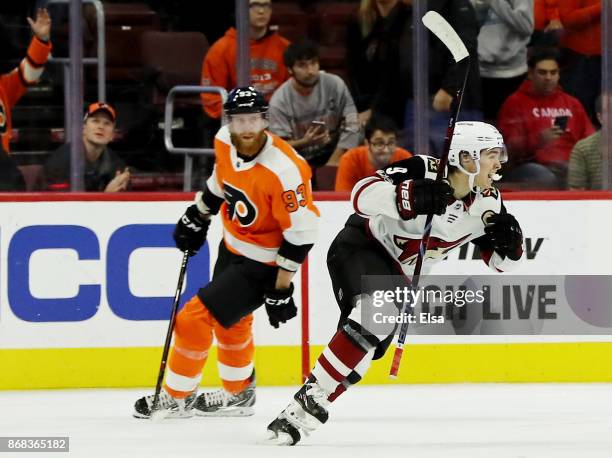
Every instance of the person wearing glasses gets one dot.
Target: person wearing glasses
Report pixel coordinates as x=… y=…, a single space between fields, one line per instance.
x=268 y=70
x=379 y=151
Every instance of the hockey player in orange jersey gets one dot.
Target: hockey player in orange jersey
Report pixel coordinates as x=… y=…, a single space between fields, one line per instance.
x=15 y=84
x=261 y=187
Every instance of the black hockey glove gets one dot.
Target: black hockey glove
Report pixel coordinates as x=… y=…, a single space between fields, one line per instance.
x=190 y=231
x=506 y=235
x=279 y=305
x=422 y=197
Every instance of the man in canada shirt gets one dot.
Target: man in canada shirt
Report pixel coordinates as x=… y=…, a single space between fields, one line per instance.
x=540 y=122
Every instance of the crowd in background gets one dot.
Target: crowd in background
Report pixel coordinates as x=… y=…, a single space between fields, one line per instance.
x=537 y=78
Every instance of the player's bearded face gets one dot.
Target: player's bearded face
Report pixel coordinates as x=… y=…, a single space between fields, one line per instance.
x=247 y=132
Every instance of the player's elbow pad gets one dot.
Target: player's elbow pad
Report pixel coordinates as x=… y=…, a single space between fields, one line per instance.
x=290 y=256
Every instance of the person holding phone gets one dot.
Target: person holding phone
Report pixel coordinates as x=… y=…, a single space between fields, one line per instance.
x=540 y=122
x=314 y=110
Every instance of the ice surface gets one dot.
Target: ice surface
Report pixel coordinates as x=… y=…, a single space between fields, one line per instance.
x=413 y=421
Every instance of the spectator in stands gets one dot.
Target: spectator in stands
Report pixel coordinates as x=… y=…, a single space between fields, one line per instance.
x=585 y=163
x=104 y=170
x=373 y=44
x=540 y=122
x=396 y=99
x=314 y=110
x=268 y=70
x=380 y=150
x=547 y=27
x=505 y=30
x=581 y=43
x=12 y=86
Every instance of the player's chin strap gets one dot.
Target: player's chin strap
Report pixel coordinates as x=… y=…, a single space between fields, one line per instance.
x=471 y=176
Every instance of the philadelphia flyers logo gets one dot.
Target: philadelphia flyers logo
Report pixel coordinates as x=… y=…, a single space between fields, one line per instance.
x=239 y=206
x=2 y=118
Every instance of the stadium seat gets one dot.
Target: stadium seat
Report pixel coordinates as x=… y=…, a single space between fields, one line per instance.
x=33 y=176
x=173 y=58
x=136 y=14
x=330 y=21
x=290 y=20
x=329 y=24
x=325 y=178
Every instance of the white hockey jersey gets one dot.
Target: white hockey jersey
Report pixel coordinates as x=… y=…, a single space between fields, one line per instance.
x=374 y=198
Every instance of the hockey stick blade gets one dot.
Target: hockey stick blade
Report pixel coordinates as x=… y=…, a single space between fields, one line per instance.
x=446 y=34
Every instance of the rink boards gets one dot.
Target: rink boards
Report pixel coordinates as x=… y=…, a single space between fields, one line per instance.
x=86 y=284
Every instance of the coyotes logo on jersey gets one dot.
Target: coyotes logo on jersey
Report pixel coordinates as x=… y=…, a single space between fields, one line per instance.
x=436 y=248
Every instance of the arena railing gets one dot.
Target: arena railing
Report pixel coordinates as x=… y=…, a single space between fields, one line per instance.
x=100 y=61
x=189 y=153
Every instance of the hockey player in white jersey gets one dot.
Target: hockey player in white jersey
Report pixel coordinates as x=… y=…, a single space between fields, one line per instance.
x=382 y=238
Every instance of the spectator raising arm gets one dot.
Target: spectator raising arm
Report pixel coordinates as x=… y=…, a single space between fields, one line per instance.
x=14 y=84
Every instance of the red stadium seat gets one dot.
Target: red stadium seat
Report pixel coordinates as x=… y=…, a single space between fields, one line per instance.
x=290 y=20
x=325 y=178
x=33 y=176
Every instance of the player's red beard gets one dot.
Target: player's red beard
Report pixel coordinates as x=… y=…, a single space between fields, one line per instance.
x=249 y=147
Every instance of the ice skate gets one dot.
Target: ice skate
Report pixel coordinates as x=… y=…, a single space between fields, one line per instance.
x=168 y=407
x=221 y=403
x=300 y=418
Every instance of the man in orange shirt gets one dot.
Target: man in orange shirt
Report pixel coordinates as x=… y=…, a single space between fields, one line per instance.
x=13 y=85
x=380 y=150
x=268 y=70
x=261 y=188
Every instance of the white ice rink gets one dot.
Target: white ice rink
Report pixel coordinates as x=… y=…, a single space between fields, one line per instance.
x=441 y=421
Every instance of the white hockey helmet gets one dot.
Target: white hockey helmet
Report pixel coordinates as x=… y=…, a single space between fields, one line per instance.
x=475 y=137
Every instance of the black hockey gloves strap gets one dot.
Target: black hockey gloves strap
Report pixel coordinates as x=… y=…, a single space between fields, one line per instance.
x=190 y=231
x=279 y=305
x=506 y=235
x=422 y=197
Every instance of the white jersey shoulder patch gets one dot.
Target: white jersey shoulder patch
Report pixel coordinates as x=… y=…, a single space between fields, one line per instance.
x=486 y=200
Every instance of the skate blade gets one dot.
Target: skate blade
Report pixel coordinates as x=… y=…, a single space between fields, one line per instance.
x=160 y=415
x=279 y=439
x=232 y=412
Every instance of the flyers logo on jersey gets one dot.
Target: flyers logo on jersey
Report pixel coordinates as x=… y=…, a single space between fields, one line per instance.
x=239 y=206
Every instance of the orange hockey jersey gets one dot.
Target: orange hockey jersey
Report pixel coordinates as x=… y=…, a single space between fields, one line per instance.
x=14 y=84
x=268 y=69
x=266 y=200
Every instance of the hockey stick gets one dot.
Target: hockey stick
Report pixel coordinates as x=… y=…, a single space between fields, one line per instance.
x=177 y=296
x=441 y=29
